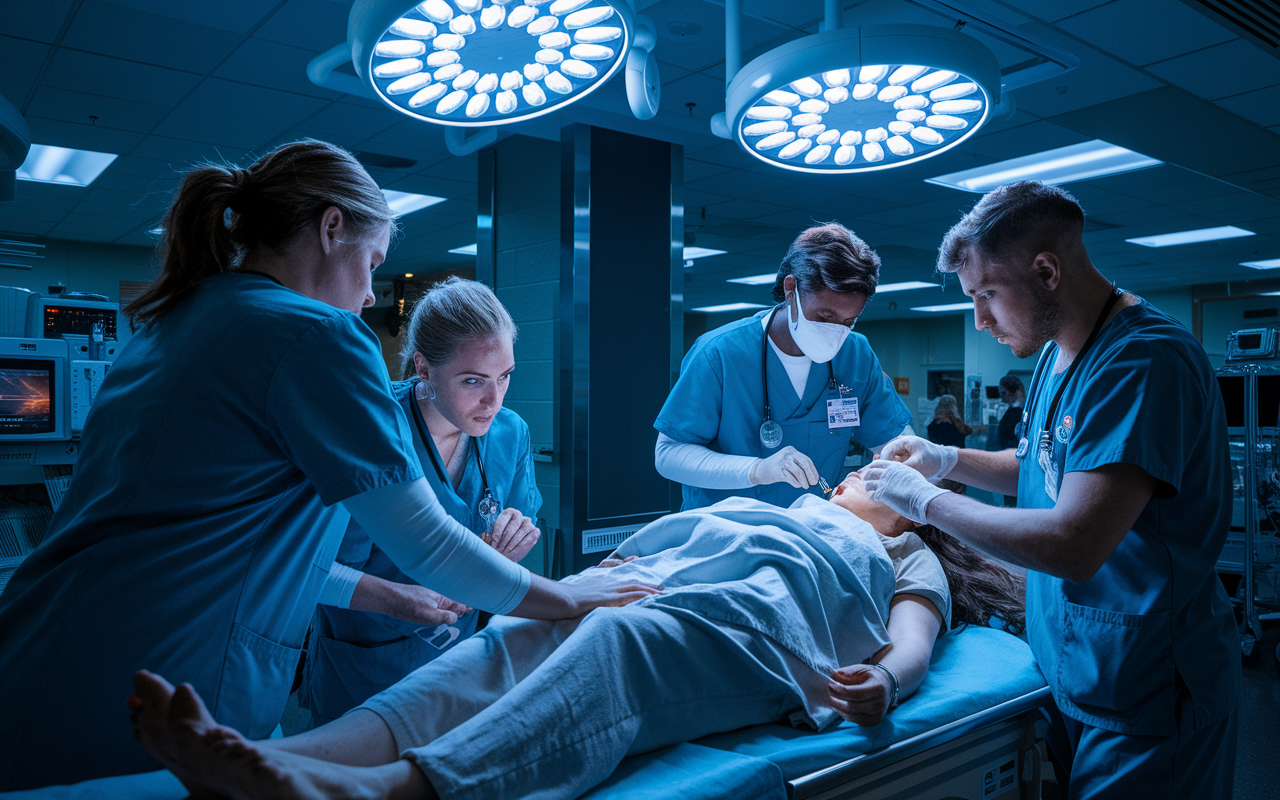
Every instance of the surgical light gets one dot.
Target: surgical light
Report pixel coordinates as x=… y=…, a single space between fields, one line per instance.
x=729 y=307
x=1191 y=237
x=862 y=99
x=49 y=164
x=1271 y=263
x=406 y=202
x=473 y=63
x=1077 y=162
x=946 y=307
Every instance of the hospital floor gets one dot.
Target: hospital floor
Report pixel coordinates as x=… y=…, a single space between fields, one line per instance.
x=1257 y=757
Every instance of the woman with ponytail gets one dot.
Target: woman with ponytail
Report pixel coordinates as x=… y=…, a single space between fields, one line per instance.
x=247 y=420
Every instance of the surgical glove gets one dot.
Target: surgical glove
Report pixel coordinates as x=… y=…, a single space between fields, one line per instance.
x=899 y=487
x=788 y=465
x=933 y=461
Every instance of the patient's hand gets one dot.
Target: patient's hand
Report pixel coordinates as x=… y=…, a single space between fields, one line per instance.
x=859 y=693
x=513 y=534
x=614 y=560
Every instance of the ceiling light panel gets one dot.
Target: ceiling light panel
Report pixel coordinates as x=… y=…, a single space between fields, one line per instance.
x=1271 y=263
x=1077 y=162
x=1192 y=237
x=728 y=307
x=862 y=99
x=473 y=63
x=945 y=307
x=50 y=164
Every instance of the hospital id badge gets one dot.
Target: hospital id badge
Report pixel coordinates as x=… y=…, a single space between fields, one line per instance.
x=842 y=412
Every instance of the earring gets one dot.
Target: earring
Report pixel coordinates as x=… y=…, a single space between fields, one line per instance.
x=424 y=391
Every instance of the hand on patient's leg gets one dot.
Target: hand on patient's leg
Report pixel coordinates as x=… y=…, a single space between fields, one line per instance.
x=213 y=760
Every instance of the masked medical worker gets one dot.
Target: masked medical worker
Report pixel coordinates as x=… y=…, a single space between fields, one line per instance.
x=1124 y=495
x=765 y=407
x=476 y=456
x=239 y=430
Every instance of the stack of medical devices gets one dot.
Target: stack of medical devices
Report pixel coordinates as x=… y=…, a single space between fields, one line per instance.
x=55 y=351
x=1250 y=384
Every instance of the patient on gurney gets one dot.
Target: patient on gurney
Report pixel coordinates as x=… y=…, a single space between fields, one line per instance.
x=761 y=608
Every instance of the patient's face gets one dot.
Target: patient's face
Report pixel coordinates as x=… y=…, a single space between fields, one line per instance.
x=852 y=495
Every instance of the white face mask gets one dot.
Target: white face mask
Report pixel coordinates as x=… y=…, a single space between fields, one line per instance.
x=820 y=341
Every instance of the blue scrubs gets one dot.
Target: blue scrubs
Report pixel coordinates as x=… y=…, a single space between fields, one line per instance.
x=718 y=402
x=354 y=655
x=200 y=526
x=1145 y=651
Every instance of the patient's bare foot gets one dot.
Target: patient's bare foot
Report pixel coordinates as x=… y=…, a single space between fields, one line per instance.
x=213 y=760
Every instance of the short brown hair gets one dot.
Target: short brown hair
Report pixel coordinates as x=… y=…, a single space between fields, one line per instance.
x=829 y=257
x=1014 y=221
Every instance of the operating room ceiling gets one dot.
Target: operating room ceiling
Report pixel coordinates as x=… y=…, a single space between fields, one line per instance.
x=165 y=83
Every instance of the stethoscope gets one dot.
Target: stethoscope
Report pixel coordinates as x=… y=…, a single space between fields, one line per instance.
x=1046 y=434
x=488 y=505
x=770 y=431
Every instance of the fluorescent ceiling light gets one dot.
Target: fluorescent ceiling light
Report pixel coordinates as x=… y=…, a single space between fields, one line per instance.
x=701 y=252
x=947 y=307
x=406 y=202
x=49 y=164
x=904 y=286
x=1271 y=263
x=1077 y=162
x=755 y=280
x=465 y=250
x=1191 y=237
x=729 y=307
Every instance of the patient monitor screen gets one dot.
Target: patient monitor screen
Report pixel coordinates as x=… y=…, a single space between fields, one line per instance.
x=26 y=396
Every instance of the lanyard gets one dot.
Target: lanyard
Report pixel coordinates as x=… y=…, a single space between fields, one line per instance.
x=1046 y=435
x=770 y=431
x=488 y=506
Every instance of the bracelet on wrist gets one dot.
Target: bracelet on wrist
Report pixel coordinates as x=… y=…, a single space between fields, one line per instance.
x=893 y=684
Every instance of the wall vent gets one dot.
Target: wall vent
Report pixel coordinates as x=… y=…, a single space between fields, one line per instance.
x=1255 y=20
x=602 y=540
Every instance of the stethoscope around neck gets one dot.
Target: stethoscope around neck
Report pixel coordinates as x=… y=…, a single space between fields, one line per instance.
x=488 y=505
x=770 y=431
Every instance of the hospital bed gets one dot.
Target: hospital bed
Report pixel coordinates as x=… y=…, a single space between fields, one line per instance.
x=969 y=732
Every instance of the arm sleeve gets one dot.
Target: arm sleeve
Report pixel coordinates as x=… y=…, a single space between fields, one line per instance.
x=345 y=440
x=425 y=543
x=695 y=465
x=341 y=585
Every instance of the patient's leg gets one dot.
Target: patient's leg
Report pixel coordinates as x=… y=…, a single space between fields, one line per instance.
x=212 y=760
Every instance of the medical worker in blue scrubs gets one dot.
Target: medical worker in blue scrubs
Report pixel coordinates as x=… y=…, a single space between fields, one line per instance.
x=766 y=406
x=242 y=426
x=1124 y=495
x=477 y=457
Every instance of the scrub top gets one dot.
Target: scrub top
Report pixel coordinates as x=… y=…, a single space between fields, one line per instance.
x=200 y=526
x=718 y=402
x=1113 y=648
x=355 y=654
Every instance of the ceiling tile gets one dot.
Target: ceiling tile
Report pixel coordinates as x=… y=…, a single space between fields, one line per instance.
x=29 y=227
x=1054 y=10
x=112 y=30
x=345 y=124
x=234 y=16
x=38 y=21
x=119 y=78
x=83 y=137
x=1221 y=71
x=1261 y=106
x=79 y=107
x=1098 y=78
x=20 y=61
x=315 y=25
x=181 y=154
x=1168 y=28
x=260 y=62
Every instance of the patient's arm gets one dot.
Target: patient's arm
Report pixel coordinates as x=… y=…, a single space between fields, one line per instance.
x=860 y=693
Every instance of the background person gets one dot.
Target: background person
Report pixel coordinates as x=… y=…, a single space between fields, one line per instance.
x=767 y=405
x=238 y=429
x=1124 y=495
x=1009 y=431
x=947 y=427
x=506 y=713
x=459 y=353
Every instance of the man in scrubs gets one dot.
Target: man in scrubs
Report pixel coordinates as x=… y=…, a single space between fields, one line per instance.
x=767 y=406
x=1124 y=496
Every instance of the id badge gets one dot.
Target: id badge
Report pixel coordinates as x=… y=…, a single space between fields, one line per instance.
x=842 y=412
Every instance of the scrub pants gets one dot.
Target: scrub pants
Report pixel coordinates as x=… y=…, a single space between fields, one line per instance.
x=1193 y=764
x=527 y=710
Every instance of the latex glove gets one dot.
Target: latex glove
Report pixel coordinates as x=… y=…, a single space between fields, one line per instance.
x=931 y=460
x=859 y=693
x=513 y=534
x=900 y=487
x=788 y=465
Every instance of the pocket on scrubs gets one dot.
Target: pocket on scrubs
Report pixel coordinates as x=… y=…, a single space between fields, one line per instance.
x=1117 y=669
x=346 y=674
x=255 y=683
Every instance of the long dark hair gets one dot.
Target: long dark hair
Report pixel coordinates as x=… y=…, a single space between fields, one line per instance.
x=223 y=214
x=980 y=588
